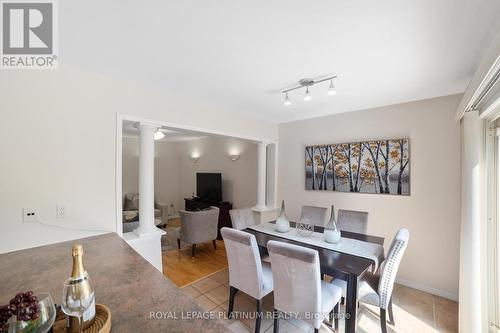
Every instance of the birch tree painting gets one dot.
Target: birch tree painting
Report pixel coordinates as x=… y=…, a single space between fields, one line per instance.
x=366 y=167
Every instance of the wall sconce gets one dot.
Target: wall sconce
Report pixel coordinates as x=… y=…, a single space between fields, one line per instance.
x=234 y=157
x=195 y=157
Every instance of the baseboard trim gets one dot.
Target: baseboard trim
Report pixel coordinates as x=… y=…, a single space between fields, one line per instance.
x=427 y=289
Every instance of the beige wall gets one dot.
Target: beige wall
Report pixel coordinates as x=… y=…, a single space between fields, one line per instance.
x=239 y=178
x=58 y=146
x=175 y=173
x=431 y=212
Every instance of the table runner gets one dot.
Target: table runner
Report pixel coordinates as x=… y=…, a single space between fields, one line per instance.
x=371 y=251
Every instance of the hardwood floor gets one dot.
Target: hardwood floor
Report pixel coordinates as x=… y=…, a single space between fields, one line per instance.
x=183 y=270
x=414 y=310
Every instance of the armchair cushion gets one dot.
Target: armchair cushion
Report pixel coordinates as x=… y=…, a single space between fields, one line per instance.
x=131 y=201
x=199 y=226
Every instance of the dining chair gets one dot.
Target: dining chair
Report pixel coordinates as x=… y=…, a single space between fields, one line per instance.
x=315 y=215
x=376 y=288
x=353 y=221
x=247 y=273
x=298 y=288
x=242 y=218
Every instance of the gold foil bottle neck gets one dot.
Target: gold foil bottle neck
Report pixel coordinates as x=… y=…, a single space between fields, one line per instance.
x=77 y=252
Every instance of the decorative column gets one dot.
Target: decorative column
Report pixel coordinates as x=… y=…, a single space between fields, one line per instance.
x=261 y=176
x=146 y=179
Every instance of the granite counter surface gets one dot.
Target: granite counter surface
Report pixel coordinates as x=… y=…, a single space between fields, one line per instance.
x=123 y=280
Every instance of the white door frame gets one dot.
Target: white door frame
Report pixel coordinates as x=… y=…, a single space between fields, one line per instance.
x=119 y=142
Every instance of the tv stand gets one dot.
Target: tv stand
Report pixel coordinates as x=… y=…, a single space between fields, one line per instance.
x=196 y=203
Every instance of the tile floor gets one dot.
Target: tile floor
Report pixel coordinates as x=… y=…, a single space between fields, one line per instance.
x=414 y=310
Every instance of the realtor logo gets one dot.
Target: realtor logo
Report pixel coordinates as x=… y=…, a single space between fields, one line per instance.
x=28 y=34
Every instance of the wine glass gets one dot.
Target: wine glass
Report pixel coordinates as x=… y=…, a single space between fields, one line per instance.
x=77 y=298
x=44 y=320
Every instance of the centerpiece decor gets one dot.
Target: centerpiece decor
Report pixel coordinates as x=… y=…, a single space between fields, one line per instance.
x=282 y=223
x=304 y=228
x=332 y=232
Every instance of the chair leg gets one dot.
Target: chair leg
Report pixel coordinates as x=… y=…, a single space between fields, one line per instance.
x=391 y=314
x=258 y=320
x=383 y=321
x=178 y=243
x=193 y=250
x=336 y=311
x=276 y=326
x=316 y=330
x=215 y=244
x=232 y=293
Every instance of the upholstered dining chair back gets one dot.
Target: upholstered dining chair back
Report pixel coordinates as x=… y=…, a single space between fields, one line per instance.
x=245 y=266
x=353 y=221
x=389 y=268
x=242 y=218
x=315 y=215
x=297 y=281
x=199 y=226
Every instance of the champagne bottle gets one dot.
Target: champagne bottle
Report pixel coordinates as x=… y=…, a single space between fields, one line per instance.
x=83 y=291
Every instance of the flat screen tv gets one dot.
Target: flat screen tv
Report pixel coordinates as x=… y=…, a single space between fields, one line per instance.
x=209 y=186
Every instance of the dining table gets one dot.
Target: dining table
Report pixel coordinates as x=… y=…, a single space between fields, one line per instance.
x=341 y=265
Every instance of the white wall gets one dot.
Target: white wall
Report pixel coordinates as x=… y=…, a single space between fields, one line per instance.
x=58 y=141
x=239 y=178
x=431 y=212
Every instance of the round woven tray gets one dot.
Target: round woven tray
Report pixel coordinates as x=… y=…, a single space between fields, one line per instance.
x=101 y=324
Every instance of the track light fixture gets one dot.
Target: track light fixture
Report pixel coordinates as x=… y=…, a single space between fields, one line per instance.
x=309 y=83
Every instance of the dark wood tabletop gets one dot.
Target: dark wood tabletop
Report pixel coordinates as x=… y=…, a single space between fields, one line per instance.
x=124 y=281
x=337 y=264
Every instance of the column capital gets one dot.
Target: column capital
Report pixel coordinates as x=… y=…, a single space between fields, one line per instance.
x=263 y=143
x=145 y=124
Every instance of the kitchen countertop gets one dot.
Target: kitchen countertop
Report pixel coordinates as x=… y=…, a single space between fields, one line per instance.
x=123 y=280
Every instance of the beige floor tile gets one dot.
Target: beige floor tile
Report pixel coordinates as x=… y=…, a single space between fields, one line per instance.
x=222 y=277
x=190 y=291
x=205 y=303
x=224 y=317
x=218 y=295
x=205 y=285
x=239 y=327
x=446 y=305
x=446 y=321
x=415 y=311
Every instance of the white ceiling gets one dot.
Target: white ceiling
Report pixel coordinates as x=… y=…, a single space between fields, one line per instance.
x=241 y=53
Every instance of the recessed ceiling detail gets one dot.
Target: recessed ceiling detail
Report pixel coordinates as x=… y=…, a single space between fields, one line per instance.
x=308 y=82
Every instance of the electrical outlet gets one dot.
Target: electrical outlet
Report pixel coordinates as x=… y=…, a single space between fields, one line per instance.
x=60 y=211
x=30 y=215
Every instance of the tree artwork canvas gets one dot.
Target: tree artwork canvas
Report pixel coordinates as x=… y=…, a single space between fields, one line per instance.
x=366 y=167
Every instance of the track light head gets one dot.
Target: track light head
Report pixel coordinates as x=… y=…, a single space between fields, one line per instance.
x=307 y=96
x=287 y=101
x=331 y=90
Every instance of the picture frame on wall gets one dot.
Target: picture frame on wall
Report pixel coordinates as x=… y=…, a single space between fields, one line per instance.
x=378 y=167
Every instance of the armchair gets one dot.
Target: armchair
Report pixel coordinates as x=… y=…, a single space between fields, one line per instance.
x=198 y=227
